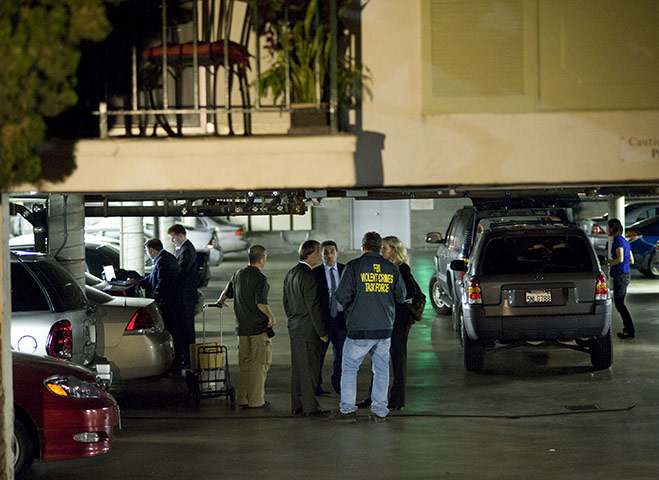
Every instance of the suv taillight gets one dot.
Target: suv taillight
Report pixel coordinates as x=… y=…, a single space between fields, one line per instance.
x=142 y=320
x=597 y=230
x=475 y=297
x=60 y=340
x=601 y=289
x=239 y=231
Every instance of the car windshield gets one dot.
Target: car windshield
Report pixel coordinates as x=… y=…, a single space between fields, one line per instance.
x=536 y=254
x=64 y=291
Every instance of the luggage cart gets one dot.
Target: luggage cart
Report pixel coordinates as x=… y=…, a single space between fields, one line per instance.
x=209 y=367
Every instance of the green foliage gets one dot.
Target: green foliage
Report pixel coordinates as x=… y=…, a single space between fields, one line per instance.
x=307 y=43
x=39 y=41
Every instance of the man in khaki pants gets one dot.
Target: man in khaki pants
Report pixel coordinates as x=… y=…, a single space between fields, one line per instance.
x=249 y=289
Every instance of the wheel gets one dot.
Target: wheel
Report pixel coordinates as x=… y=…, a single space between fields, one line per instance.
x=601 y=352
x=473 y=352
x=23 y=449
x=437 y=297
x=654 y=266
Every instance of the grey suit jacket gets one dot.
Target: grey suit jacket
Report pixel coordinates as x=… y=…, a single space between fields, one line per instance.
x=301 y=303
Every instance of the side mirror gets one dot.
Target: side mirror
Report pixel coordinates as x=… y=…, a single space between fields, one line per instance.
x=433 y=237
x=458 y=266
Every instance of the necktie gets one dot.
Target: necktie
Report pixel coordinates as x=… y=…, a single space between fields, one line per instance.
x=333 y=303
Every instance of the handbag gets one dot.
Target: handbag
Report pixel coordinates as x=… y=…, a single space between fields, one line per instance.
x=417 y=304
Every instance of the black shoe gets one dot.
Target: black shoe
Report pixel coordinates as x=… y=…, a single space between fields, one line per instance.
x=321 y=392
x=395 y=408
x=296 y=411
x=243 y=406
x=265 y=405
x=343 y=417
x=625 y=335
x=364 y=403
x=317 y=413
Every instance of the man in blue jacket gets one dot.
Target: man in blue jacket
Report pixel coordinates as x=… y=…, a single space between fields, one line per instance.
x=369 y=289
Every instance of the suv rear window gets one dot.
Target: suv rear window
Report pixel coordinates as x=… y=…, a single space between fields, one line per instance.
x=537 y=254
x=26 y=294
x=64 y=291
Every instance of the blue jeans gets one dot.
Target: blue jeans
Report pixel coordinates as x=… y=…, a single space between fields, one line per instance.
x=354 y=352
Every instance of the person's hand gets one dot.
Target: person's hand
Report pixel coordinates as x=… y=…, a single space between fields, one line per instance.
x=133 y=281
x=325 y=338
x=220 y=304
x=272 y=322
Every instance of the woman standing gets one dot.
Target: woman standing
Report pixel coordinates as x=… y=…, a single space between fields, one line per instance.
x=621 y=259
x=394 y=251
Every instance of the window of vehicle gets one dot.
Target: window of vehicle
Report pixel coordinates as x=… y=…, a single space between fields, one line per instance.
x=26 y=294
x=536 y=254
x=65 y=293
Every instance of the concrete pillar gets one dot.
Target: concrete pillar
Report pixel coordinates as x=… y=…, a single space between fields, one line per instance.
x=6 y=389
x=66 y=220
x=165 y=223
x=616 y=210
x=132 y=242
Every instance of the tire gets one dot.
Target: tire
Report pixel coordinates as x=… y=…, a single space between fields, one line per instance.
x=437 y=297
x=23 y=449
x=601 y=352
x=654 y=266
x=473 y=352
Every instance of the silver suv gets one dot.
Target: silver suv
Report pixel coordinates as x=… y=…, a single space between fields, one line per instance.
x=464 y=228
x=50 y=314
x=534 y=282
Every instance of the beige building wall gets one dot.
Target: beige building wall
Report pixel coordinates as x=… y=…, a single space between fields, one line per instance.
x=485 y=148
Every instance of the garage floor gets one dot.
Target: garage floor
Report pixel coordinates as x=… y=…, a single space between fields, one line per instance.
x=533 y=414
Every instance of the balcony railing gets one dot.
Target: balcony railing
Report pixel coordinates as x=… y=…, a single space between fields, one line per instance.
x=235 y=67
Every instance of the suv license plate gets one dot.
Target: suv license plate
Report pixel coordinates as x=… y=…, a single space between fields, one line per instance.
x=538 y=297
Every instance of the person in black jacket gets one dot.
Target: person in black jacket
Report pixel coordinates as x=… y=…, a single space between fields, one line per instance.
x=186 y=255
x=369 y=290
x=394 y=251
x=328 y=275
x=306 y=328
x=162 y=284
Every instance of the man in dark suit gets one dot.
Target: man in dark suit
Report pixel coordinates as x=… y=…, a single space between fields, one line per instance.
x=327 y=276
x=186 y=255
x=306 y=328
x=162 y=284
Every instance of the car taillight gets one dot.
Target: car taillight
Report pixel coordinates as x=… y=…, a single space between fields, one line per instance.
x=597 y=230
x=212 y=242
x=60 y=340
x=239 y=231
x=631 y=236
x=142 y=320
x=601 y=289
x=475 y=297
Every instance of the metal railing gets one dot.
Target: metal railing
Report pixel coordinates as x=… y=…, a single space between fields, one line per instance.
x=174 y=84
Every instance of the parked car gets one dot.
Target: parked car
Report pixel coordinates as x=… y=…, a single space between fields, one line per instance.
x=60 y=412
x=50 y=313
x=533 y=282
x=464 y=228
x=642 y=237
x=231 y=238
x=596 y=227
x=131 y=334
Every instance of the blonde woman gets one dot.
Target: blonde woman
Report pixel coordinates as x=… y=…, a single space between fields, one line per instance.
x=394 y=251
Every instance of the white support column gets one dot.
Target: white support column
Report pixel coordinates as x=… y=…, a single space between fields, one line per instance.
x=6 y=389
x=66 y=220
x=165 y=223
x=616 y=210
x=132 y=242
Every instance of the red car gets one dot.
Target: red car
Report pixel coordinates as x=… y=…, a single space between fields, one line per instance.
x=61 y=412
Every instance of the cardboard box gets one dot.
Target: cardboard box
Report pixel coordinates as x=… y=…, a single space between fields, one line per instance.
x=206 y=356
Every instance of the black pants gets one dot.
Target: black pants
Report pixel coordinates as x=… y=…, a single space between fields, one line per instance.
x=398 y=354
x=620 y=283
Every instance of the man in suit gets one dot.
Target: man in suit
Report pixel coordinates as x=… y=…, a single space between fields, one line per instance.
x=186 y=255
x=328 y=275
x=306 y=328
x=162 y=284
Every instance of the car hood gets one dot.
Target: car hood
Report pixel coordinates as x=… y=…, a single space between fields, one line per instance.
x=46 y=366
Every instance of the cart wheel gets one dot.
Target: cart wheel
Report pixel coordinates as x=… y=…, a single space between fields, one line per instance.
x=232 y=396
